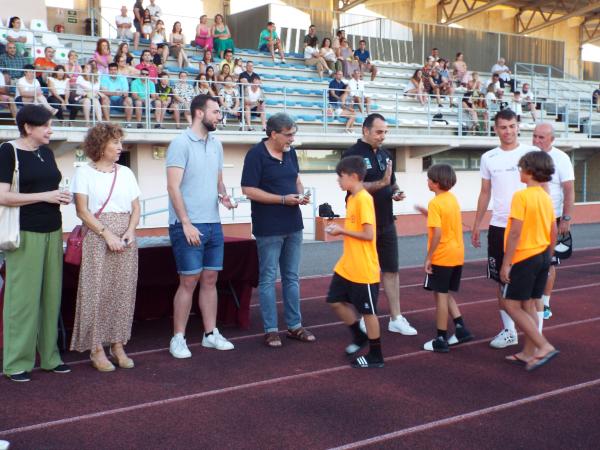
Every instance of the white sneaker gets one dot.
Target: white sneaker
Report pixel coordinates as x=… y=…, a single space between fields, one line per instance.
x=216 y=340
x=504 y=339
x=401 y=325
x=178 y=348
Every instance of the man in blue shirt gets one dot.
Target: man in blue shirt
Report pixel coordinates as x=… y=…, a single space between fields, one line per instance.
x=338 y=91
x=363 y=57
x=270 y=179
x=116 y=90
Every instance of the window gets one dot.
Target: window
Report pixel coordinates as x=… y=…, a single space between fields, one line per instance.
x=458 y=158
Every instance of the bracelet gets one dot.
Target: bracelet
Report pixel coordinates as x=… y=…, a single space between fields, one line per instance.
x=283 y=199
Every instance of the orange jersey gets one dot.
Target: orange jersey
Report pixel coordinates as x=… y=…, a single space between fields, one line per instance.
x=444 y=212
x=532 y=206
x=359 y=262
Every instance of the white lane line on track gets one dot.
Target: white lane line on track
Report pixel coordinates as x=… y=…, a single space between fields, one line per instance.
x=241 y=387
x=330 y=324
x=471 y=415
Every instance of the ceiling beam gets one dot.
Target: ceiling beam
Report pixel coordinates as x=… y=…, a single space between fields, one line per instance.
x=449 y=11
x=590 y=30
x=345 y=5
x=549 y=12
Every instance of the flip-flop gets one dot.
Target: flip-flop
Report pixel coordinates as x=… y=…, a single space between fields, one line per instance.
x=539 y=361
x=514 y=359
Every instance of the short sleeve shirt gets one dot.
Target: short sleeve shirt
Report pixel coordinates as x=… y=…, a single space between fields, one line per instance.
x=336 y=87
x=264 y=35
x=359 y=262
x=138 y=87
x=563 y=171
x=444 y=212
x=120 y=20
x=362 y=56
x=114 y=84
x=376 y=164
x=265 y=172
x=533 y=207
x=201 y=161
x=248 y=76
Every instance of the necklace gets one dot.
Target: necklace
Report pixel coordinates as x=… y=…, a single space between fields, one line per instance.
x=36 y=152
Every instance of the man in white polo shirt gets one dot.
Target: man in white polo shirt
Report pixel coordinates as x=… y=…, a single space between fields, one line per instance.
x=124 y=25
x=500 y=179
x=562 y=191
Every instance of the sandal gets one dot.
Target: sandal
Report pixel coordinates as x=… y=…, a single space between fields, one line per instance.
x=538 y=361
x=301 y=334
x=515 y=359
x=273 y=340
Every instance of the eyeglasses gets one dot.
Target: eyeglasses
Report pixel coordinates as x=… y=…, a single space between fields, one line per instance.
x=288 y=135
x=382 y=161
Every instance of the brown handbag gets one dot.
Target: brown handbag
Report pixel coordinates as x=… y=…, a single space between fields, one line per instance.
x=74 y=249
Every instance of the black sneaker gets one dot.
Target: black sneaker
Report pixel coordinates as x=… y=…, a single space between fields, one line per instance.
x=139 y=125
x=367 y=362
x=357 y=344
x=61 y=368
x=20 y=377
x=439 y=345
x=460 y=335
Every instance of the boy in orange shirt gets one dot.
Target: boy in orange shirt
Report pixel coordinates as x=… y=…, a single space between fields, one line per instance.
x=528 y=243
x=445 y=256
x=356 y=275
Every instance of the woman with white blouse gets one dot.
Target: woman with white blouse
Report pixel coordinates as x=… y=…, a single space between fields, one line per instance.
x=109 y=265
x=18 y=35
x=159 y=37
x=87 y=93
x=58 y=85
x=29 y=90
x=312 y=57
x=329 y=55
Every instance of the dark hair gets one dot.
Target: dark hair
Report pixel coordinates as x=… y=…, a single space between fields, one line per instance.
x=361 y=41
x=323 y=42
x=251 y=62
x=339 y=32
x=28 y=67
x=443 y=175
x=143 y=53
x=199 y=102
x=180 y=28
x=162 y=74
x=505 y=114
x=351 y=165
x=59 y=67
x=517 y=93
x=11 y=23
x=368 y=123
x=32 y=115
x=278 y=122
x=538 y=164
x=270 y=23
x=228 y=51
x=113 y=64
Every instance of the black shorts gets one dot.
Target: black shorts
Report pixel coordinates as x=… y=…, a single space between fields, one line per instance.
x=495 y=252
x=387 y=248
x=528 y=278
x=362 y=296
x=443 y=279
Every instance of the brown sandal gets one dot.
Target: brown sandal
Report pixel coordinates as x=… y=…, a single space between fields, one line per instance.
x=301 y=334
x=273 y=340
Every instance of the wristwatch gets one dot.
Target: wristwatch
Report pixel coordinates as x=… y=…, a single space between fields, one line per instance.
x=566 y=218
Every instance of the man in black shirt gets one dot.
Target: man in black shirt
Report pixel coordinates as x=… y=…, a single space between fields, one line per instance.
x=380 y=182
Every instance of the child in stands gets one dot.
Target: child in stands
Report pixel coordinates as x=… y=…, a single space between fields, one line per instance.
x=356 y=275
x=445 y=256
x=528 y=246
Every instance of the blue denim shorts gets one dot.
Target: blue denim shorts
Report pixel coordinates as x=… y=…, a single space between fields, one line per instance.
x=190 y=259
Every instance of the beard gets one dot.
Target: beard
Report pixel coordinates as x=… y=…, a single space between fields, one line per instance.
x=209 y=125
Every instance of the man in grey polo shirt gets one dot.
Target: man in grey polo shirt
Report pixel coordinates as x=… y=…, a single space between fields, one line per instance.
x=195 y=186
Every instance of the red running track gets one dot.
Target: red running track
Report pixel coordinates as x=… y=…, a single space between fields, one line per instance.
x=306 y=395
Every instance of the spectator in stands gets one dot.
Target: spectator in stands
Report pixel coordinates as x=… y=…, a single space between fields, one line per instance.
x=477 y=85
x=359 y=97
x=495 y=80
x=459 y=69
x=123 y=49
x=124 y=27
x=328 y=54
x=312 y=57
x=17 y=35
x=435 y=54
x=339 y=35
x=147 y=25
x=12 y=64
x=207 y=61
x=269 y=41
x=146 y=62
x=159 y=38
x=528 y=101
x=248 y=75
x=515 y=105
x=177 y=44
x=346 y=56
x=416 y=88
x=206 y=86
x=164 y=93
x=338 y=93
x=363 y=58
x=254 y=104
x=312 y=33
x=221 y=36
x=6 y=99
x=29 y=90
x=225 y=72
x=447 y=84
x=204 y=38
x=238 y=68
x=73 y=69
x=155 y=12
x=227 y=61
x=183 y=93
x=211 y=80
x=469 y=106
x=138 y=17
x=230 y=102
x=116 y=93
x=45 y=64
x=87 y=93
x=503 y=72
x=436 y=83
x=102 y=56
x=3 y=43
x=492 y=106
x=59 y=89
x=143 y=90
x=124 y=68
x=595 y=98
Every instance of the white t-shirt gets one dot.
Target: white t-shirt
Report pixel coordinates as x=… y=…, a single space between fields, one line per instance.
x=497 y=68
x=26 y=88
x=527 y=97
x=12 y=33
x=155 y=12
x=501 y=168
x=120 y=20
x=96 y=185
x=563 y=171
x=516 y=107
x=60 y=86
x=252 y=95
x=308 y=52
x=86 y=88
x=357 y=87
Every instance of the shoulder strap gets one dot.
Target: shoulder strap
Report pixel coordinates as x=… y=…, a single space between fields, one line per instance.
x=14 y=146
x=110 y=193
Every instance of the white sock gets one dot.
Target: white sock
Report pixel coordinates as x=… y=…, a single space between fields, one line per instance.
x=509 y=324
x=546 y=300
x=540 y=315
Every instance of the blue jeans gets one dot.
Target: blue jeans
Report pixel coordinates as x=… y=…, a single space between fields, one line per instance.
x=283 y=250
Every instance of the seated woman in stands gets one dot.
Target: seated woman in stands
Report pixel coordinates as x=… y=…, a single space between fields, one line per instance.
x=230 y=101
x=72 y=68
x=18 y=35
x=329 y=55
x=477 y=84
x=159 y=37
x=58 y=85
x=29 y=90
x=87 y=93
x=124 y=68
x=345 y=55
x=123 y=49
x=415 y=87
x=207 y=61
x=221 y=36
x=238 y=69
x=147 y=24
x=204 y=86
x=225 y=72
x=211 y=79
x=102 y=55
x=204 y=38
x=460 y=72
x=470 y=107
x=312 y=57
x=183 y=93
x=177 y=44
